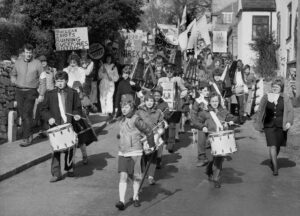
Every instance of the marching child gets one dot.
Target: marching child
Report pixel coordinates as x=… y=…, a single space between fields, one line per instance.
x=154 y=118
x=130 y=149
x=86 y=134
x=163 y=106
x=58 y=103
x=217 y=119
x=198 y=116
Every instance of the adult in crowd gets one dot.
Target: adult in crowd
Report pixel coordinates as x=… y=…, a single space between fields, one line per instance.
x=26 y=75
x=108 y=73
x=239 y=88
x=180 y=92
x=88 y=65
x=275 y=117
x=126 y=86
x=250 y=81
x=48 y=74
x=74 y=71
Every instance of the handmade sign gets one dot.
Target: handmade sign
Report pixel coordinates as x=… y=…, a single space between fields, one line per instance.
x=96 y=51
x=71 y=39
x=169 y=94
x=220 y=41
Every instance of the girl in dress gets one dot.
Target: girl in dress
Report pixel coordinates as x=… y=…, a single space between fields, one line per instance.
x=217 y=119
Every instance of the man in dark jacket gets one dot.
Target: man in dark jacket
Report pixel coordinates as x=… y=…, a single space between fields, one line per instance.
x=61 y=105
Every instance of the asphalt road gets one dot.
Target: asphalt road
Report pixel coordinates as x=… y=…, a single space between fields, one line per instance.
x=248 y=187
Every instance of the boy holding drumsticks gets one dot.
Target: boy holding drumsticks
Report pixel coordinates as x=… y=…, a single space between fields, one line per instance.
x=54 y=109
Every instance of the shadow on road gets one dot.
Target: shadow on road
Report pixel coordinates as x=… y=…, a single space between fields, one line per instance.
x=167 y=168
x=282 y=163
x=231 y=176
x=152 y=191
x=96 y=162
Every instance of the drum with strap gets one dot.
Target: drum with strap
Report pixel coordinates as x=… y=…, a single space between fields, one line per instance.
x=62 y=137
x=222 y=143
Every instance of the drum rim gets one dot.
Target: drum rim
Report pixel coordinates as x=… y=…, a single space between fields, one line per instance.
x=59 y=128
x=221 y=133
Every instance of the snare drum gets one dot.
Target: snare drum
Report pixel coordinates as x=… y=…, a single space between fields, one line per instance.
x=222 y=143
x=158 y=142
x=62 y=137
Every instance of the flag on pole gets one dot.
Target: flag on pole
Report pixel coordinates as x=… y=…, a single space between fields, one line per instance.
x=183 y=37
x=183 y=22
x=199 y=32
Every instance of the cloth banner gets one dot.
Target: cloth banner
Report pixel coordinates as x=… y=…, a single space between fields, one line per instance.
x=199 y=32
x=163 y=44
x=220 y=41
x=134 y=45
x=183 y=37
x=71 y=39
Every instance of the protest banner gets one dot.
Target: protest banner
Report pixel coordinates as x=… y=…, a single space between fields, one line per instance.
x=163 y=44
x=220 y=41
x=133 y=45
x=71 y=38
x=170 y=32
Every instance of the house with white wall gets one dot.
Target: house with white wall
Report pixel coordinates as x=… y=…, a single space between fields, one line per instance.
x=286 y=15
x=253 y=16
x=223 y=15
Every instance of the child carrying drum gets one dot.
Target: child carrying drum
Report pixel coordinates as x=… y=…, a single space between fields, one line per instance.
x=130 y=149
x=217 y=119
x=57 y=103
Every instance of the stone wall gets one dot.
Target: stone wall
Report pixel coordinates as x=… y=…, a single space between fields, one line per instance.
x=7 y=97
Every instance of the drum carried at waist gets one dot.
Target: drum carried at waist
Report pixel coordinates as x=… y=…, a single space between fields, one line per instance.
x=157 y=139
x=222 y=143
x=62 y=137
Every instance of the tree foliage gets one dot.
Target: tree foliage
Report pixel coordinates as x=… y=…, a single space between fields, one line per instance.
x=102 y=17
x=169 y=11
x=265 y=46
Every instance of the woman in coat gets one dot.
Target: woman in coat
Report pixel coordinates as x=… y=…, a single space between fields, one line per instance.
x=275 y=116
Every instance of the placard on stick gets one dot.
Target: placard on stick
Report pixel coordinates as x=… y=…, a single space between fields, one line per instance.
x=71 y=38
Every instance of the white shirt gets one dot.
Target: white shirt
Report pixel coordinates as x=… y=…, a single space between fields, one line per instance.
x=75 y=74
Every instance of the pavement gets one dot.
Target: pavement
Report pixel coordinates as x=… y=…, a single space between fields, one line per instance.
x=15 y=159
x=248 y=186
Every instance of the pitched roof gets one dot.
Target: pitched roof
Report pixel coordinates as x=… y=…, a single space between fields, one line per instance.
x=258 y=5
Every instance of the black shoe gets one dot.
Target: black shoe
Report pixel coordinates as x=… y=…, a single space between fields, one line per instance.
x=136 y=203
x=217 y=184
x=27 y=142
x=70 y=174
x=275 y=173
x=170 y=151
x=120 y=205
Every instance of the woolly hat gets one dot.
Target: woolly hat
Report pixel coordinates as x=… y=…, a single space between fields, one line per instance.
x=158 y=89
x=42 y=58
x=127 y=99
x=148 y=96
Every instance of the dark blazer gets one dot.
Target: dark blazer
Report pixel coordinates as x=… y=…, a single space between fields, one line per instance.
x=288 y=112
x=50 y=108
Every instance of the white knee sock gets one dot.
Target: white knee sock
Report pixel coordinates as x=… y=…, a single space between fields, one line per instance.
x=122 y=191
x=136 y=186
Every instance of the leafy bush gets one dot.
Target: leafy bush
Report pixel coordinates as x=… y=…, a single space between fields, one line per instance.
x=265 y=46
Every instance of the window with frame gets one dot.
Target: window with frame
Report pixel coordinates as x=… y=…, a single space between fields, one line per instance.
x=227 y=17
x=260 y=25
x=289 y=18
x=278 y=27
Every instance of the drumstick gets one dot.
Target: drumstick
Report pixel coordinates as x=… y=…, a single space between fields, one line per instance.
x=232 y=124
x=74 y=115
